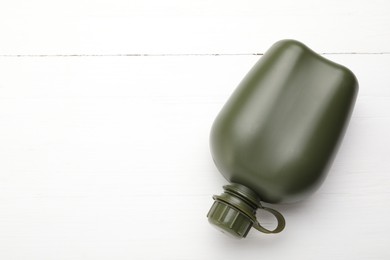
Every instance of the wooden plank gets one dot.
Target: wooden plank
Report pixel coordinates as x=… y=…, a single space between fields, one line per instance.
x=107 y=157
x=180 y=27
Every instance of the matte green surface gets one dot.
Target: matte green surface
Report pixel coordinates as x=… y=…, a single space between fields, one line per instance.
x=279 y=131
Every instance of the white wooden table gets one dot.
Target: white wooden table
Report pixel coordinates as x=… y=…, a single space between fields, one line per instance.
x=105 y=111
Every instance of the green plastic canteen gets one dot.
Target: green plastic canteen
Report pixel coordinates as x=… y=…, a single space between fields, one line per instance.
x=276 y=136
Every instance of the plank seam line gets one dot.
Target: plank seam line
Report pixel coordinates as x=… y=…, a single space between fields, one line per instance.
x=171 y=54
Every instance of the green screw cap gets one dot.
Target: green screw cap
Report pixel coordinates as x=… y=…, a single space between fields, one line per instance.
x=229 y=220
x=234 y=212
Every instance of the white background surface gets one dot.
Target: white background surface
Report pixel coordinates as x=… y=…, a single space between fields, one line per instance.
x=105 y=111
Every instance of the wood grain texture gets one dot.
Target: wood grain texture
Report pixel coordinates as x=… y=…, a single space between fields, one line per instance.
x=185 y=26
x=105 y=112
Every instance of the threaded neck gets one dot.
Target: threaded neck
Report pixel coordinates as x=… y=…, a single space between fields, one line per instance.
x=234 y=212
